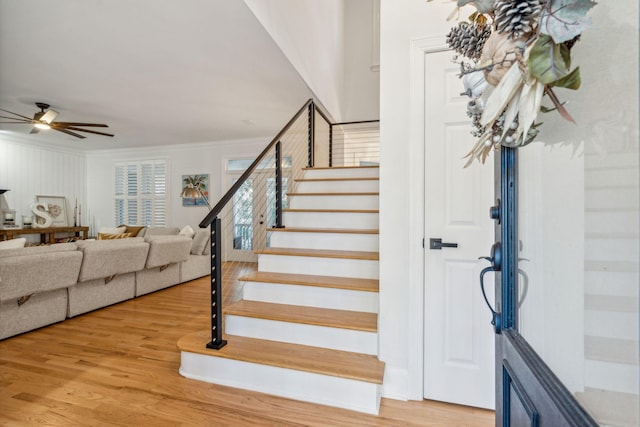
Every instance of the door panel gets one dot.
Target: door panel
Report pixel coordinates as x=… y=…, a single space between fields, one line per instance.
x=458 y=348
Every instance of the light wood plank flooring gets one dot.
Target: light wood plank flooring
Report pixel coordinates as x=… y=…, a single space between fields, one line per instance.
x=119 y=366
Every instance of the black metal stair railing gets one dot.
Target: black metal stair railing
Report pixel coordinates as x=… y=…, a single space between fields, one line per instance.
x=255 y=203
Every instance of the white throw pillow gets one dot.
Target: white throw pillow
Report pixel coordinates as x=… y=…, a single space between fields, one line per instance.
x=13 y=244
x=112 y=230
x=187 y=231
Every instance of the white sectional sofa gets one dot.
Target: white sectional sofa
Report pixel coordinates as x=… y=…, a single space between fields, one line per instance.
x=46 y=284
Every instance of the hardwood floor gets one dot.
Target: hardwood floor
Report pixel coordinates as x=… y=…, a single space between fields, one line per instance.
x=119 y=366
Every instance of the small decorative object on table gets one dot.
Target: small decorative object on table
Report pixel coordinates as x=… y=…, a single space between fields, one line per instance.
x=9 y=218
x=27 y=221
x=512 y=53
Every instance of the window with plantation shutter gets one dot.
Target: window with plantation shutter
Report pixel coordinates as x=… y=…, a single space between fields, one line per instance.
x=141 y=193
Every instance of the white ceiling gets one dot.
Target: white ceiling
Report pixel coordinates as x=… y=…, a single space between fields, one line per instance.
x=156 y=71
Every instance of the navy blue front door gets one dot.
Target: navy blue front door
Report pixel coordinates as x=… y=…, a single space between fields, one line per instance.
x=527 y=391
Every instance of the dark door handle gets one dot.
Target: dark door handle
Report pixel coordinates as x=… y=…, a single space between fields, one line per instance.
x=438 y=244
x=496 y=264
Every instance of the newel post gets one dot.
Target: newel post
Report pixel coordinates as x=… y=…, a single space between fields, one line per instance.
x=216 y=286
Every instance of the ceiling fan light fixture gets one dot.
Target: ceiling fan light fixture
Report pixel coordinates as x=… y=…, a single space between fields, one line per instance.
x=43 y=126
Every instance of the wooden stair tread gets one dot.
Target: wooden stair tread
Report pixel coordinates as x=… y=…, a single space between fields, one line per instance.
x=344 y=364
x=321 y=253
x=334 y=210
x=335 y=194
x=326 y=230
x=369 y=285
x=343 y=319
x=337 y=179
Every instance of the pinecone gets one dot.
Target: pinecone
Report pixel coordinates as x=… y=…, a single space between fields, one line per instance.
x=468 y=39
x=516 y=18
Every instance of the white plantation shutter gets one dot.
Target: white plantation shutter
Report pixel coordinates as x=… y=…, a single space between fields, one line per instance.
x=140 y=193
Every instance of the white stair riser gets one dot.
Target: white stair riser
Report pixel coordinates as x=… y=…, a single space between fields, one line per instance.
x=338 y=392
x=311 y=296
x=607 y=324
x=339 y=220
x=611 y=376
x=357 y=186
x=340 y=267
x=298 y=333
x=342 y=173
x=334 y=201
x=342 y=241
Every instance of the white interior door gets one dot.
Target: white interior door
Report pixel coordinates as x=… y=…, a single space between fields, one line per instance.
x=459 y=338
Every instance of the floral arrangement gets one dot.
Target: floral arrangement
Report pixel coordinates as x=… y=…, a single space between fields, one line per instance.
x=511 y=54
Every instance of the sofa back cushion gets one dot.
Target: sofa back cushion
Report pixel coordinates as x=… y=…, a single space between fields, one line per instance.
x=200 y=240
x=38 y=269
x=105 y=258
x=165 y=250
x=161 y=231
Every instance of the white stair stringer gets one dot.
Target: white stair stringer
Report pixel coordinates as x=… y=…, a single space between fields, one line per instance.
x=325 y=240
x=365 y=269
x=311 y=296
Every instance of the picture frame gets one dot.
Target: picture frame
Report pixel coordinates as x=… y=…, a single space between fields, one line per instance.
x=201 y=181
x=57 y=209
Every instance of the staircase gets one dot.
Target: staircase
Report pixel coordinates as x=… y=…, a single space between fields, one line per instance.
x=306 y=327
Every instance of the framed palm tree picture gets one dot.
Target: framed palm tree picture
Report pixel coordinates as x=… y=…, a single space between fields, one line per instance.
x=195 y=190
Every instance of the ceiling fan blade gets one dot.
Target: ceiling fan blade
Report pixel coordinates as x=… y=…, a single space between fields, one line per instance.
x=48 y=116
x=15 y=123
x=69 y=132
x=27 y=120
x=86 y=130
x=16 y=114
x=67 y=124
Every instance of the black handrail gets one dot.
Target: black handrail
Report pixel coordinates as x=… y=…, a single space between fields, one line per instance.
x=229 y=194
x=355 y=123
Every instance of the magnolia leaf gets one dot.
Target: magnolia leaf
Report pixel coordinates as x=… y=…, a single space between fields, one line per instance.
x=570 y=81
x=559 y=106
x=565 y=19
x=548 y=61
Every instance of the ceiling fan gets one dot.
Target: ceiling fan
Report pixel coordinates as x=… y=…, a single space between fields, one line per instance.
x=43 y=119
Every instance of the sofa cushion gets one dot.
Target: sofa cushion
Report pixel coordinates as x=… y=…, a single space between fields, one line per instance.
x=38 y=269
x=199 y=242
x=161 y=231
x=112 y=230
x=106 y=258
x=135 y=230
x=13 y=244
x=187 y=231
x=165 y=250
x=107 y=236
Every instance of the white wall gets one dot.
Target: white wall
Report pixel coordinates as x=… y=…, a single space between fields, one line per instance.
x=400 y=22
x=330 y=44
x=29 y=169
x=361 y=95
x=310 y=33
x=189 y=159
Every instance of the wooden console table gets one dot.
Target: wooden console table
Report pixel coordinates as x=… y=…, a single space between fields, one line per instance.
x=10 y=233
